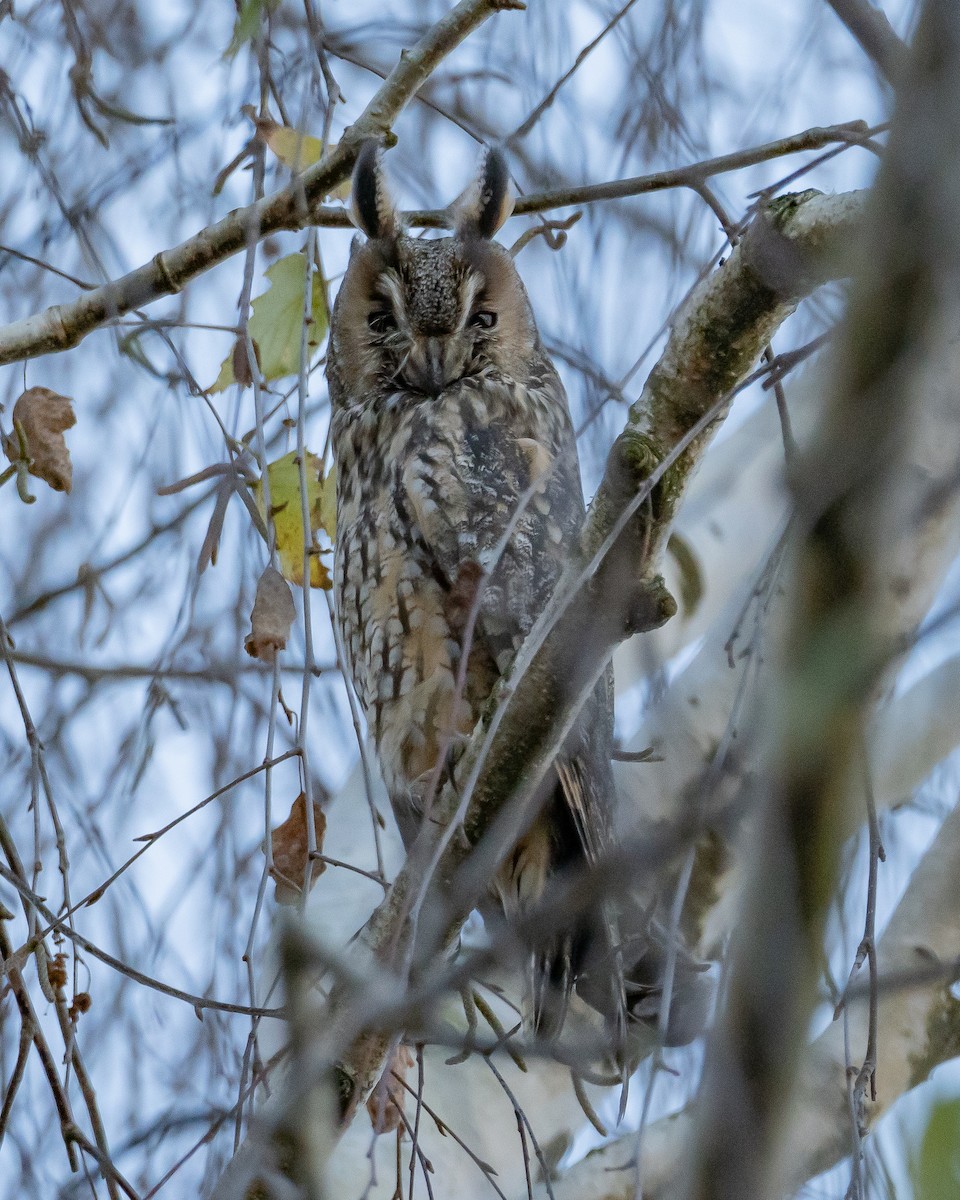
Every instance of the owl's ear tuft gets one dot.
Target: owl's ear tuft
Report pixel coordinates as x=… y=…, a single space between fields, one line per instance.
x=371 y=208
x=487 y=202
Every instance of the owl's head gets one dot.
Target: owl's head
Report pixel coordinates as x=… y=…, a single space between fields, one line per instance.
x=419 y=314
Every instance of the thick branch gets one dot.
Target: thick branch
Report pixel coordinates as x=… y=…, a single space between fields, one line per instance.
x=692 y=718
x=64 y=326
x=797 y=243
x=853 y=503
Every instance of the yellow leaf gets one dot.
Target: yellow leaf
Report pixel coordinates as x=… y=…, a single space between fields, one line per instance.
x=284 y=477
x=295 y=150
x=692 y=585
x=276 y=324
x=341 y=191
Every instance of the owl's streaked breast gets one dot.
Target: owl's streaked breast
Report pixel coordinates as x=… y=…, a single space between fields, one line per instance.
x=400 y=457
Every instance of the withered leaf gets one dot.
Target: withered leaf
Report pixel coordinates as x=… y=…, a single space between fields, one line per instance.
x=57 y=971
x=273 y=614
x=43 y=415
x=290 y=842
x=82 y=1003
x=241 y=361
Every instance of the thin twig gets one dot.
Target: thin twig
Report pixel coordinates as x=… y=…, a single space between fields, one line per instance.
x=866 y=1076
x=226 y=673
x=525 y=126
x=485 y=1168
x=196 y=1002
x=29 y=1021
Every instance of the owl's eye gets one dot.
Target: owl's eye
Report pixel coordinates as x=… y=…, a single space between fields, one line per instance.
x=382 y=320
x=484 y=319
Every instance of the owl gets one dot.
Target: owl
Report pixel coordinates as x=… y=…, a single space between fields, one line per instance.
x=458 y=487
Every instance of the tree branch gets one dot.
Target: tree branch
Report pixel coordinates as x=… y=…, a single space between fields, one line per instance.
x=874 y=34
x=64 y=326
x=854 y=504
x=227 y=672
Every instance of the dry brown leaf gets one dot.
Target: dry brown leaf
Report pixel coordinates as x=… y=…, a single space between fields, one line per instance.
x=241 y=361
x=82 y=1003
x=290 y=844
x=43 y=415
x=386 y=1102
x=57 y=972
x=272 y=616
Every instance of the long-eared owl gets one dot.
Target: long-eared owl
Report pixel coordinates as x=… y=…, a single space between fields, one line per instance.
x=456 y=464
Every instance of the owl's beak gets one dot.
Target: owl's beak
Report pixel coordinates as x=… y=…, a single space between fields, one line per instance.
x=433 y=364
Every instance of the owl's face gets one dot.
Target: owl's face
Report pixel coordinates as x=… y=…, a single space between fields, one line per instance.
x=417 y=315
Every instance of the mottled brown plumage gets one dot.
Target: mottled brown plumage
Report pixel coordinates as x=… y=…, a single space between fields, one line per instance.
x=457 y=470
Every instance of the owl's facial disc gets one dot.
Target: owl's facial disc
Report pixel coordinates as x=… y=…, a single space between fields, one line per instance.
x=419 y=315
x=428 y=312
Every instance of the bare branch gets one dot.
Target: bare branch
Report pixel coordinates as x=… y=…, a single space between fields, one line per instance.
x=223 y=672
x=64 y=326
